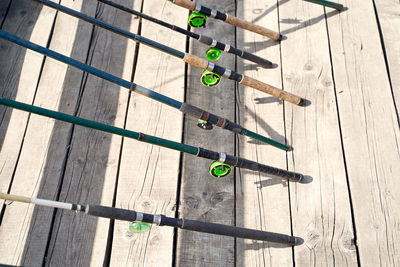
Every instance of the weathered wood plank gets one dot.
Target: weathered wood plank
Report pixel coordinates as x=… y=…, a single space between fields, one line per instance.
x=19 y=80
x=203 y=197
x=148 y=174
x=46 y=142
x=320 y=210
x=370 y=132
x=262 y=202
x=388 y=12
x=3 y=9
x=93 y=159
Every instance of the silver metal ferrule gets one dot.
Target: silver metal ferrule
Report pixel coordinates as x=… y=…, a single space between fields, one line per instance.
x=222 y=157
x=210 y=66
x=213 y=13
x=227 y=47
x=214 y=43
x=139 y=217
x=227 y=73
x=157 y=219
x=197 y=7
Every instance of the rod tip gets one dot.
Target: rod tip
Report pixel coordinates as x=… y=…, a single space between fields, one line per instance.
x=304 y=102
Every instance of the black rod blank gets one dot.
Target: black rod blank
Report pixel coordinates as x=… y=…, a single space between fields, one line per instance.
x=202 y=38
x=161 y=220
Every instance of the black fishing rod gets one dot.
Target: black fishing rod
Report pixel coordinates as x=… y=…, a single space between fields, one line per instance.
x=213 y=53
x=161 y=220
x=210 y=77
x=198 y=18
x=221 y=166
x=206 y=119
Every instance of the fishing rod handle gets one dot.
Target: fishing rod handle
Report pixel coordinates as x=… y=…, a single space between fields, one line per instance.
x=327 y=3
x=230 y=49
x=191 y=5
x=272 y=90
x=204 y=227
x=245 y=80
x=249 y=164
x=227 y=230
x=252 y=27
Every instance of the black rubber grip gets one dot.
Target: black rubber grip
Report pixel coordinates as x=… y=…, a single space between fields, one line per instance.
x=256 y=59
x=191 y=110
x=254 y=166
x=111 y=213
x=208 y=154
x=234 y=127
x=205 y=39
x=220 y=229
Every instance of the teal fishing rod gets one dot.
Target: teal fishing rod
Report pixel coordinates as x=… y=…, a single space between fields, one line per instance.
x=212 y=74
x=221 y=166
x=206 y=119
x=336 y=6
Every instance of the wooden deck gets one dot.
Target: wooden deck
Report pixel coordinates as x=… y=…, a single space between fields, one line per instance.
x=347 y=64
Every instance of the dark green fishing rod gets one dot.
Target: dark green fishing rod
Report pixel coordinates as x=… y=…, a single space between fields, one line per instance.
x=210 y=119
x=142 y=219
x=216 y=47
x=218 y=171
x=327 y=4
x=210 y=77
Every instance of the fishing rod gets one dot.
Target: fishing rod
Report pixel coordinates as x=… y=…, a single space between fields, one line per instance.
x=213 y=53
x=198 y=18
x=327 y=4
x=206 y=119
x=143 y=219
x=212 y=74
x=221 y=166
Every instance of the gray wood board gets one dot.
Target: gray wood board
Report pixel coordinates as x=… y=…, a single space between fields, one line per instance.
x=370 y=131
x=203 y=197
x=148 y=174
x=320 y=209
x=262 y=201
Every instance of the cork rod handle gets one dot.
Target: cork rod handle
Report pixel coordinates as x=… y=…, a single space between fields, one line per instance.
x=269 y=89
x=185 y=3
x=252 y=27
x=195 y=61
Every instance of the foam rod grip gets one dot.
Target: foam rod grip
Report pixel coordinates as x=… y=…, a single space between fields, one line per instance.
x=220 y=229
x=269 y=89
x=252 y=27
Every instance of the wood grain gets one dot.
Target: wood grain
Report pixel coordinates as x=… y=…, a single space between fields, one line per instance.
x=388 y=12
x=203 y=197
x=45 y=146
x=320 y=210
x=148 y=174
x=370 y=132
x=262 y=201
